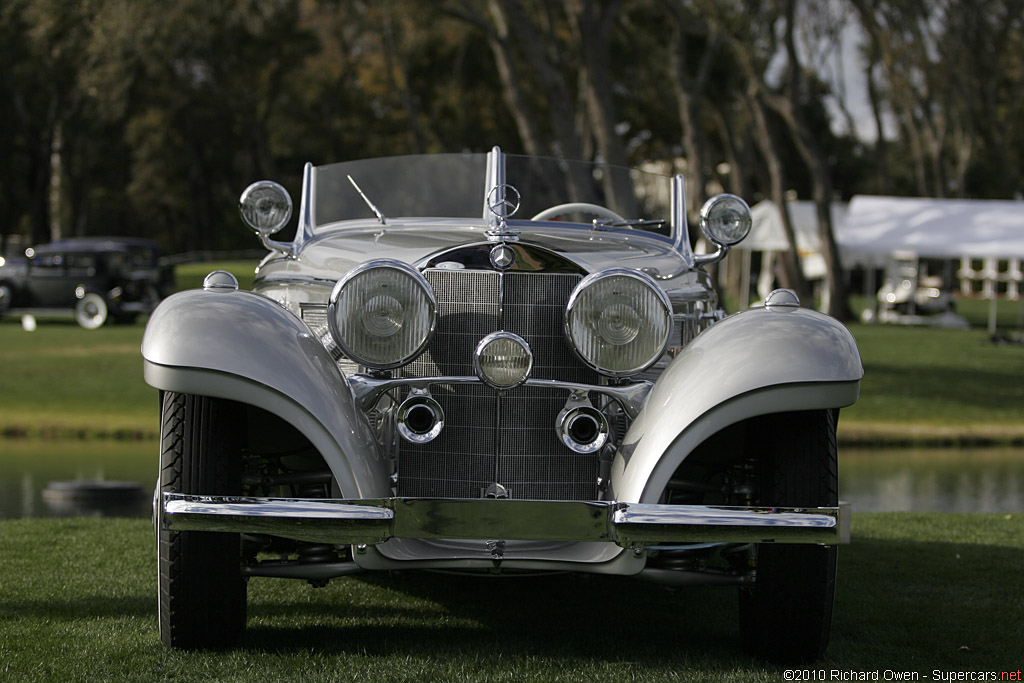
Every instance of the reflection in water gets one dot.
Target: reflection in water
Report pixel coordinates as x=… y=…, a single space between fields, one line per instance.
x=986 y=480
x=943 y=480
x=28 y=466
x=139 y=507
x=94 y=498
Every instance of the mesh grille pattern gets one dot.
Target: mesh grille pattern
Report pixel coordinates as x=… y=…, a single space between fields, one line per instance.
x=531 y=462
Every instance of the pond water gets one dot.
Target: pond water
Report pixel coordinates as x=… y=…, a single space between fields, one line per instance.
x=933 y=480
x=28 y=466
x=936 y=480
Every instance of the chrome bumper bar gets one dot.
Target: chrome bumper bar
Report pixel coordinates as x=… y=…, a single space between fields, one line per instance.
x=374 y=521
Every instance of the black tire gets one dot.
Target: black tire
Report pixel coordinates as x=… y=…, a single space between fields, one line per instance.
x=202 y=592
x=787 y=614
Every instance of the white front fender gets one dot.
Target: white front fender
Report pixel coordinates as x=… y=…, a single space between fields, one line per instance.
x=245 y=347
x=755 y=362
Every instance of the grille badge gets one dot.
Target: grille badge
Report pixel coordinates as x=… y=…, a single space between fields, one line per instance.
x=503 y=257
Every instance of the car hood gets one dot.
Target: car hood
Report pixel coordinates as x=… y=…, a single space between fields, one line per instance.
x=331 y=255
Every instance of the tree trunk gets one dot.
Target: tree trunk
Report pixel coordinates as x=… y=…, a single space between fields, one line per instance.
x=874 y=59
x=792 y=275
x=689 y=91
x=508 y=70
x=791 y=111
x=592 y=24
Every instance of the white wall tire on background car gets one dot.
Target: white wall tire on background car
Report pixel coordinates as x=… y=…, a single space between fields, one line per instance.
x=6 y=297
x=91 y=311
x=202 y=593
x=787 y=615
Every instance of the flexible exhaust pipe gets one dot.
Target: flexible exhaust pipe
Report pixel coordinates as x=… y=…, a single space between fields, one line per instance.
x=419 y=418
x=584 y=429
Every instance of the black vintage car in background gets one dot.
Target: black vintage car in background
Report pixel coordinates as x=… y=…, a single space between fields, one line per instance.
x=91 y=278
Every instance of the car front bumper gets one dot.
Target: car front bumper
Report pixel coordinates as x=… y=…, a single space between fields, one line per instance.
x=367 y=522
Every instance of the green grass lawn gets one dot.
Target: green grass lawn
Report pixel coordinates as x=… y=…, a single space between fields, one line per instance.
x=1009 y=314
x=65 y=381
x=923 y=380
x=920 y=383
x=190 y=275
x=61 y=380
x=916 y=593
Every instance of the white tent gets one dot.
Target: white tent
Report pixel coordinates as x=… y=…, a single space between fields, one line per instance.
x=940 y=228
x=965 y=229
x=767 y=235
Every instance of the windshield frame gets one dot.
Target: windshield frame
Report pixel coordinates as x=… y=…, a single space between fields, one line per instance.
x=375 y=187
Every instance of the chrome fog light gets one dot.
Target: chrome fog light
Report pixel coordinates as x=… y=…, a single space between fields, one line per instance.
x=382 y=314
x=503 y=360
x=618 y=321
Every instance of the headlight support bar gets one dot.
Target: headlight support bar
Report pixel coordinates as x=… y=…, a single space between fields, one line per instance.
x=368 y=390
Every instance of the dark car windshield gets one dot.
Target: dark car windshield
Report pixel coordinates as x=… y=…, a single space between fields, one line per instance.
x=437 y=185
x=454 y=186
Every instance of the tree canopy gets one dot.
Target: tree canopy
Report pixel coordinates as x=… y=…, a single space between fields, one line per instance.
x=149 y=118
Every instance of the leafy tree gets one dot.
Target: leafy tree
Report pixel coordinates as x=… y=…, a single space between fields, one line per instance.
x=140 y=117
x=948 y=72
x=43 y=47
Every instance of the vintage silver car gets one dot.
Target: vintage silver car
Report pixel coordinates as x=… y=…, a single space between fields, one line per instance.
x=491 y=363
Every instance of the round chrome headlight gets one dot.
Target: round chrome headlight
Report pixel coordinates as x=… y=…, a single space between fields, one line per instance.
x=725 y=219
x=503 y=360
x=382 y=314
x=618 y=321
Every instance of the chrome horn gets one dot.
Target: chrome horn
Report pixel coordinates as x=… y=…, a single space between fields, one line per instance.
x=582 y=427
x=419 y=418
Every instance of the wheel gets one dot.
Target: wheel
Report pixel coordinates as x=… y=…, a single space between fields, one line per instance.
x=578 y=207
x=6 y=297
x=787 y=614
x=202 y=592
x=91 y=311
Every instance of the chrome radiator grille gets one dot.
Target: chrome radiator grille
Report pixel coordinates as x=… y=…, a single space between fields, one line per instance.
x=509 y=440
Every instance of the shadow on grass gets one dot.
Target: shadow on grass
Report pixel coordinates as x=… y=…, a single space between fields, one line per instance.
x=900 y=605
x=956 y=603
x=562 y=616
x=926 y=605
x=86 y=607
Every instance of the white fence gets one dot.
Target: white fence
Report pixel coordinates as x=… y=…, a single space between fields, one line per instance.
x=991 y=278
